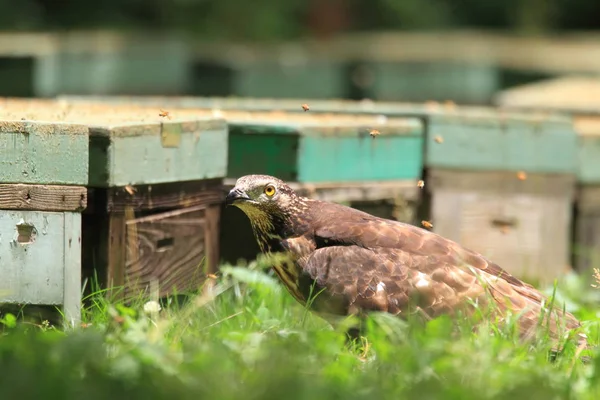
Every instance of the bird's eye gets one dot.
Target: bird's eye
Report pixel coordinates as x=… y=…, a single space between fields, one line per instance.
x=270 y=190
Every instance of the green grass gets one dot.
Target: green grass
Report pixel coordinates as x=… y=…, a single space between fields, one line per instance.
x=246 y=338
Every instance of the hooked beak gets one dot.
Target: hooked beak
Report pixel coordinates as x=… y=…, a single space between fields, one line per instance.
x=236 y=195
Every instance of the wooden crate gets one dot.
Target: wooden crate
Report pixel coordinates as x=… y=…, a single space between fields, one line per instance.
x=503 y=185
x=155 y=191
x=578 y=97
x=42 y=194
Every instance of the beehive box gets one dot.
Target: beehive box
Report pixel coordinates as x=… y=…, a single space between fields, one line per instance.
x=44 y=169
x=155 y=191
x=503 y=184
x=578 y=97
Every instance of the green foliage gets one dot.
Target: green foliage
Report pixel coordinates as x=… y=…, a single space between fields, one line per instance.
x=245 y=337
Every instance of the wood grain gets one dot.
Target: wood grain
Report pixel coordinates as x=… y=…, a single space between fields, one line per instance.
x=168 y=248
x=164 y=196
x=211 y=238
x=42 y=197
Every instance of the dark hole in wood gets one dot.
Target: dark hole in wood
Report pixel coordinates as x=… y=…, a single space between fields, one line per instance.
x=164 y=244
x=505 y=222
x=28 y=197
x=25 y=233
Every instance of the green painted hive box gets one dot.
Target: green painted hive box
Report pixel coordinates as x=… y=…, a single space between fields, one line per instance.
x=503 y=184
x=43 y=172
x=136 y=145
x=326 y=148
x=579 y=98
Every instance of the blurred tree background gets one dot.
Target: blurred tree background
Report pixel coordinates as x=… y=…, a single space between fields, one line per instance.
x=291 y=19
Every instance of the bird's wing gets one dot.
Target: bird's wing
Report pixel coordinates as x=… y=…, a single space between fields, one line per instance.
x=359 y=280
x=356 y=251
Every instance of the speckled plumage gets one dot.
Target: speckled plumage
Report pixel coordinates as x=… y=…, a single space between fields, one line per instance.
x=364 y=263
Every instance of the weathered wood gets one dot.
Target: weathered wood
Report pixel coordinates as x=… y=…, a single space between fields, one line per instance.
x=42 y=197
x=162 y=233
x=117 y=252
x=43 y=153
x=167 y=247
x=72 y=269
x=487 y=143
x=201 y=154
x=164 y=196
x=40 y=259
x=501 y=182
x=525 y=229
x=327 y=148
x=211 y=238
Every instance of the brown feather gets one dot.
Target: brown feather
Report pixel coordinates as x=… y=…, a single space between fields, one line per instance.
x=365 y=263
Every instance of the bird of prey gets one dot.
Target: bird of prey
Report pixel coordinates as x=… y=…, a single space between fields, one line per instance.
x=361 y=263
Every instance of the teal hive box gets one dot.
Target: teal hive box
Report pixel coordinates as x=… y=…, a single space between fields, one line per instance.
x=154 y=188
x=579 y=98
x=44 y=170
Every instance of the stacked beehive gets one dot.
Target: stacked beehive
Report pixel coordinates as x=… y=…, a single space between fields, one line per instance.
x=43 y=173
x=578 y=97
x=154 y=188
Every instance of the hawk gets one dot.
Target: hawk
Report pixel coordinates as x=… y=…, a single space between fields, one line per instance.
x=359 y=263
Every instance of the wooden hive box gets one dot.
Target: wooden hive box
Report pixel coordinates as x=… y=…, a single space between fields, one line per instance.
x=503 y=184
x=155 y=191
x=44 y=170
x=578 y=97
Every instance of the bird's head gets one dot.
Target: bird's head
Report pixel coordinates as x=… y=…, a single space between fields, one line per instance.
x=268 y=202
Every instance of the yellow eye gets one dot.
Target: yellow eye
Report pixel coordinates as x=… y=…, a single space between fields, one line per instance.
x=270 y=190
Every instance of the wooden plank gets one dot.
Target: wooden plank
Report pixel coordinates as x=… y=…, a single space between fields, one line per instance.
x=72 y=269
x=496 y=144
x=163 y=196
x=588 y=197
x=169 y=248
x=336 y=148
x=43 y=153
x=42 y=197
x=142 y=159
x=347 y=159
x=524 y=226
x=587 y=241
x=501 y=182
x=32 y=255
x=117 y=252
x=211 y=238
